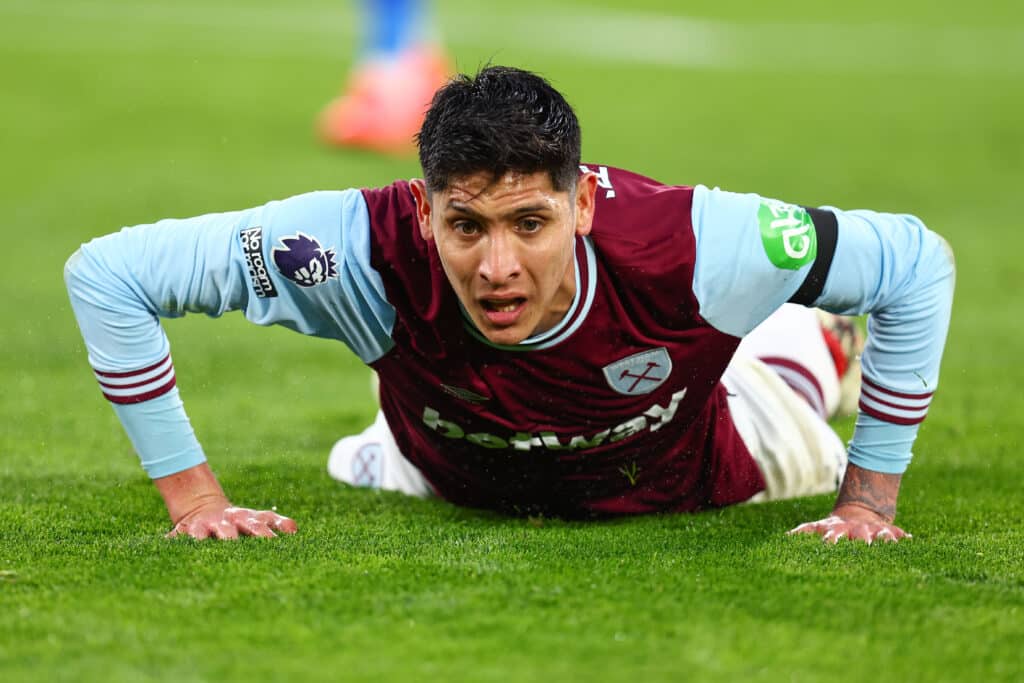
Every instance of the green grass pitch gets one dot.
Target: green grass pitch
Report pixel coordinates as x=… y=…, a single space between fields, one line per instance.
x=115 y=112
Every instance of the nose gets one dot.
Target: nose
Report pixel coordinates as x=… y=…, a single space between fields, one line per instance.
x=500 y=263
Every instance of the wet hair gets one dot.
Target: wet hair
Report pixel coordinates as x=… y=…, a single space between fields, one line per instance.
x=501 y=120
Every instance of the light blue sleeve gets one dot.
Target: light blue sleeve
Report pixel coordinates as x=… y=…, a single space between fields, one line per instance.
x=303 y=262
x=887 y=265
x=736 y=284
x=902 y=274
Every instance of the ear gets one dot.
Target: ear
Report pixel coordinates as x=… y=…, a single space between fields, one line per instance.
x=419 y=193
x=586 y=191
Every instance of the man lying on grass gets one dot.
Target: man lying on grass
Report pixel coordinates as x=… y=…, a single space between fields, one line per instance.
x=550 y=337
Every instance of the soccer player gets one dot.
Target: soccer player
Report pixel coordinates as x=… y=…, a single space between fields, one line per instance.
x=388 y=91
x=549 y=337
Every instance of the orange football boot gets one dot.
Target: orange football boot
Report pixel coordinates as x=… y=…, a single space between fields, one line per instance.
x=383 y=106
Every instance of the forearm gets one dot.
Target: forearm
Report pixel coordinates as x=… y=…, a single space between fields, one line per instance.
x=864 y=490
x=189 y=490
x=903 y=274
x=119 y=286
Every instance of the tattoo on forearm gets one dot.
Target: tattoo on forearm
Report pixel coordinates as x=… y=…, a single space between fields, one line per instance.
x=872 y=490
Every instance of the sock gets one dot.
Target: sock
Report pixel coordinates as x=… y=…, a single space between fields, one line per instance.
x=392 y=26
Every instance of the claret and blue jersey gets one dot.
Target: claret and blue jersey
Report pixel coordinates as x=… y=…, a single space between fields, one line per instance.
x=617 y=409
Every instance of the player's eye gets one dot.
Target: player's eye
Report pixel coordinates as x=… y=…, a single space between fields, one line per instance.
x=466 y=228
x=530 y=225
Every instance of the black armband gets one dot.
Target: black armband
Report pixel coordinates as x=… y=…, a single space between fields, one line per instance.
x=826 y=228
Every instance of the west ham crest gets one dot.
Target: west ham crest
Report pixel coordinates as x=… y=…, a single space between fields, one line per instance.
x=368 y=466
x=301 y=259
x=640 y=373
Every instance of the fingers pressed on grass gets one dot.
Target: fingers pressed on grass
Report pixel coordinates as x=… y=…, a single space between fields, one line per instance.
x=225 y=530
x=285 y=524
x=251 y=526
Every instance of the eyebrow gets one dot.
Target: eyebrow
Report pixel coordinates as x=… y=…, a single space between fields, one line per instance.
x=465 y=209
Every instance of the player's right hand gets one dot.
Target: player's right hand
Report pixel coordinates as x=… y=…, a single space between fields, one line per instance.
x=229 y=522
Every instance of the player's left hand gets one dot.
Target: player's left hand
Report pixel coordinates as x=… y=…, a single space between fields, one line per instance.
x=854 y=523
x=230 y=522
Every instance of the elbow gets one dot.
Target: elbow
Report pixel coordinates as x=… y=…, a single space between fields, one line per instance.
x=947 y=250
x=936 y=254
x=81 y=276
x=942 y=256
x=936 y=266
x=71 y=268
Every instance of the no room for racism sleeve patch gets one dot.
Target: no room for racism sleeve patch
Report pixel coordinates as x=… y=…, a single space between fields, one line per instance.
x=787 y=233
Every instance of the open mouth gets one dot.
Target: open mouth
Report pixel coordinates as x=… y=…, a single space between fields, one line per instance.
x=503 y=312
x=503 y=305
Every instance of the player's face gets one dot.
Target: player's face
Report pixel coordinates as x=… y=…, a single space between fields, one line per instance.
x=507 y=247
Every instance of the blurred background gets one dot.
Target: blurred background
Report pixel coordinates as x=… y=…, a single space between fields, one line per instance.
x=117 y=112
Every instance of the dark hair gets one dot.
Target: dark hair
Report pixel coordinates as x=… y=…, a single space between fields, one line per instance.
x=501 y=120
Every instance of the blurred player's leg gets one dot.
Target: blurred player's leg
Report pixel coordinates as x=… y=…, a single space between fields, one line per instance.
x=790 y=375
x=388 y=91
x=372 y=460
x=797 y=451
x=815 y=353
